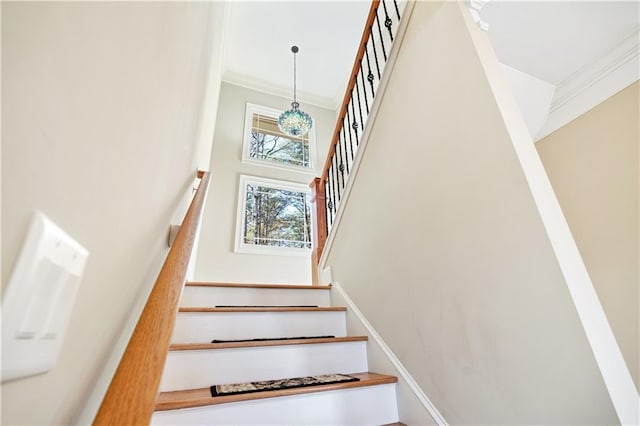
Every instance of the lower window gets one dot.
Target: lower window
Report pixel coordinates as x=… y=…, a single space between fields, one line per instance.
x=274 y=217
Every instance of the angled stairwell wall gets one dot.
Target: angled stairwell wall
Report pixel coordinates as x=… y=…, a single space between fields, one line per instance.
x=443 y=247
x=101 y=108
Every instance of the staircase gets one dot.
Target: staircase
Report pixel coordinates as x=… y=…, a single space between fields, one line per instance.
x=256 y=311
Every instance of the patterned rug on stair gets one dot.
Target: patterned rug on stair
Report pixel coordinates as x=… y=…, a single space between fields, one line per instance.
x=269 y=385
x=266 y=339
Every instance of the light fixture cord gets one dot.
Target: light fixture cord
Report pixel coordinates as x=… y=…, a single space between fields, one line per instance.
x=294 y=77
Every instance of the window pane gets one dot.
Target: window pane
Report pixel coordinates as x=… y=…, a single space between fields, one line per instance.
x=267 y=142
x=276 y=217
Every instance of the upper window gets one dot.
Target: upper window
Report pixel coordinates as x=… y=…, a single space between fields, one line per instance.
x=265 y=144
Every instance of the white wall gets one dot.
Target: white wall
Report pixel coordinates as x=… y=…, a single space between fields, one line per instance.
x=442 y=245
x=216 y=258
x=101 y=110
x=209 y=109
x=593 y=165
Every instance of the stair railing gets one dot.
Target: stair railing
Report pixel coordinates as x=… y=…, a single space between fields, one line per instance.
x=375 y=45
x=131 y=396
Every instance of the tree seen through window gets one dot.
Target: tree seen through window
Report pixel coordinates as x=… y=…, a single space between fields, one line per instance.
x=269 y=143
x=276 y=217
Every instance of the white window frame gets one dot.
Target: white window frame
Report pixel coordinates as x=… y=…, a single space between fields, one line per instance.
x=240 y=246
x=248 y=116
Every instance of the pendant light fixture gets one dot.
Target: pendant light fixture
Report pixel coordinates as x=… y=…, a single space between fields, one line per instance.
x=295 y=122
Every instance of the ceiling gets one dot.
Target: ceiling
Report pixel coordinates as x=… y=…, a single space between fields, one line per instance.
x=552 y=40
x=259 y=39
x=548 y=40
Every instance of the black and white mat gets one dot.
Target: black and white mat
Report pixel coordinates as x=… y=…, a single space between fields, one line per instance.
x=265 y=339
x=266 y=306
x=269 y=385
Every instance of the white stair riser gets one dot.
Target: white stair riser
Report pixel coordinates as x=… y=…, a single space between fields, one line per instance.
x=193 y=369
x=216 y=296
x=370 y=405
x=197 y=327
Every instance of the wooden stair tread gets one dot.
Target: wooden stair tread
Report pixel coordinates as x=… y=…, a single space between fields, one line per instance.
x=264 y=309
x=202 y=397
x=267 y=286
x=251 y=344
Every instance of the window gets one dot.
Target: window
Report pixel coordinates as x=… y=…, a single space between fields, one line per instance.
x=265 y=144
x=273 y=217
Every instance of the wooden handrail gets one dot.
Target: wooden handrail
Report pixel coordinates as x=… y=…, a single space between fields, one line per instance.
x=352 y=82
x=318 y=186
x=131 y=396
x=319 y=219
x=329 y=190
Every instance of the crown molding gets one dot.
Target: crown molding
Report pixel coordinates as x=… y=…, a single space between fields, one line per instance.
x=475 y=6
x=285 y=92
x=594 y=83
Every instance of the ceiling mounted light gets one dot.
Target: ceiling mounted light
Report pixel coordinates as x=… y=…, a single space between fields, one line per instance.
x=295 y=122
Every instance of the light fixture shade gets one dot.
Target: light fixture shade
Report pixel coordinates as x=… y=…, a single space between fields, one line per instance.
x=294 y=122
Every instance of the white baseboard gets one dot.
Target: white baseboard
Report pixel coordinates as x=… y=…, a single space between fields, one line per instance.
x=402 y=373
